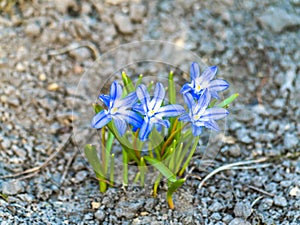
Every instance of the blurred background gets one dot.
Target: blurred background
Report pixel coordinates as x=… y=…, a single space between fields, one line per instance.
x=45 y=48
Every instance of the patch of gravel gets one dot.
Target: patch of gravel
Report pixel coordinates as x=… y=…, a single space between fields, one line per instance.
x=257 y=52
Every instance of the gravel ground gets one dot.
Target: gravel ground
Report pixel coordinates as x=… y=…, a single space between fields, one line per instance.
x=47 y=45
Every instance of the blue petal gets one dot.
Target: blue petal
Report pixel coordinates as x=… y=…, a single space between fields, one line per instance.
x=218 y=85
x=209 y=73
x=189 y=100
x=202 y=103
x=215 y=113
x=194 y=71
x=170 y=110
x=105 y=99
x=134 y=119
x=186 y=88
x=120 y=125
x=115 y=91
x=214 y=94
x=212 y=125
x=101 y=119
x=197 y=130
x=128 y=101
x=143 y=96
x=185 y=117
x=139 y=108
x=159 y=94
x=165 y=123
x=145 y=129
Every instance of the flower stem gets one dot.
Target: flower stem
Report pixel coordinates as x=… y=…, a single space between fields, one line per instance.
x=112 y=169
x=103 y=149
x=125 y=167
x=194 y=147
x=170 y=139
x=155 y=186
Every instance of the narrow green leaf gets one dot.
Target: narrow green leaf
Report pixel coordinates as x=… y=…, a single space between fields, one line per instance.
x=97 y=108
x=142 y=168
x=228 y=100
x=92 y=157
x=189 y=156
x=172 y=90
x=112 y=169
x=127 y=82
x=161 y=168
x=139 y=81
x=172 y=189
x=177 y=184
x=156 y=183
x=4 y=196
x=125 y=167
x=150 y=86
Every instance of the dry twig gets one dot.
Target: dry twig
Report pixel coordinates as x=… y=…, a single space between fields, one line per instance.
x=230 y=166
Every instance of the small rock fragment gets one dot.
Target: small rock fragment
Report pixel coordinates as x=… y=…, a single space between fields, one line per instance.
x=278 y=19
x=99 y=215
x=238 y=221
x=12 y=187
x=53 y=87
x=242 y=209
x=137 y=12
x=123 y=23
x=32 y=29
x=280 y=201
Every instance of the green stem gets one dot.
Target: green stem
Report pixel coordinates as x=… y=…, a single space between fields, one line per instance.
x=155 y=186
x=194 y=147
x=112 y=169
x=125 y=167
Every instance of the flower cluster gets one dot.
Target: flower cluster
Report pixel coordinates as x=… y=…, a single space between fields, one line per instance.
x=171 y=144
x=143 y=113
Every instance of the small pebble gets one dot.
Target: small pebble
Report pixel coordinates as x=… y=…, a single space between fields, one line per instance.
x=280 y=201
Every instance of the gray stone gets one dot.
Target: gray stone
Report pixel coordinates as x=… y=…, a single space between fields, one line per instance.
x=137 y=12
x=216 y=206
x=290 y=140
x=12 y=187
x=242 y=209
x=81 y=176
x=278 y=19
x=33 y=29
x=239 y=221
x=280 y=201
x=100 y=215
x=234 y=150
x=123 y=23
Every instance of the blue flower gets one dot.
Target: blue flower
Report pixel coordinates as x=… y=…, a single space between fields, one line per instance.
x=200 y=83
x=201 y=116
x=118 y=110
x=152 y=110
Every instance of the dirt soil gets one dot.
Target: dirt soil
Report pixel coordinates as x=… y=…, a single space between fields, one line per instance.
x=45 y=48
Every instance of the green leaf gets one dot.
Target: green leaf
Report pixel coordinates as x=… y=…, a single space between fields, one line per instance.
x=125 y=167
x=172 y=91
x=4 y=196
x=178 y=183
x=161 y=168
x=139 y=81
x=228 y=100
x=97 y=108
x=127 y=83
x=112 y=169
x=92 y=157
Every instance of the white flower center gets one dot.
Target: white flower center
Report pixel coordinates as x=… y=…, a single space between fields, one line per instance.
x=151 y=113
x=198 y=87
x=114 y=110
x=196 y=117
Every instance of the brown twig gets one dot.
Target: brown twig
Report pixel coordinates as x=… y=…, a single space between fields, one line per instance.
x=260 y=190
x=230 y=166
x=74 y=46
x=67 y=168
